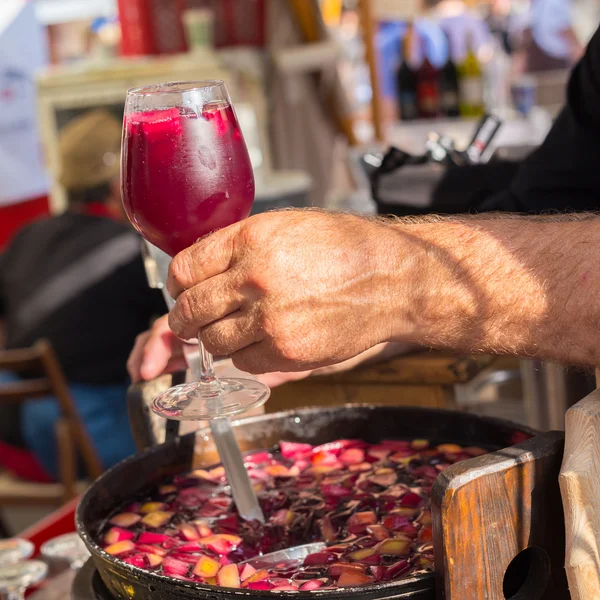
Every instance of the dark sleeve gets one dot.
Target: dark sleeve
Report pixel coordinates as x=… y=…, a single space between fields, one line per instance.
x=3 y=261
x=149 y=301
x=564 y=172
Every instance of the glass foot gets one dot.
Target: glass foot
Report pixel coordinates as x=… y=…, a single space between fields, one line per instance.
x=198 y=401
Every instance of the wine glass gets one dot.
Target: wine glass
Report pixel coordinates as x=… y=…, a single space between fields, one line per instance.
x=186 y=173
x=14 y=550
x=68 y=548
x=16 y=578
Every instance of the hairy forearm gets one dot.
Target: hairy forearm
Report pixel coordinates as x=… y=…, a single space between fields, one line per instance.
x=520 y=286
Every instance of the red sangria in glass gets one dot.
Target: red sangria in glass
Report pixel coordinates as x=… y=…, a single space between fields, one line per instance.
x=185 y=173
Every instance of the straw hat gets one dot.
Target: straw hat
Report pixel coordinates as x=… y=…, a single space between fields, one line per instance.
x=90 y=150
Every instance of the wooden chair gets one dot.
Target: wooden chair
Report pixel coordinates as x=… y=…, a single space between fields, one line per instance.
x=71 y=437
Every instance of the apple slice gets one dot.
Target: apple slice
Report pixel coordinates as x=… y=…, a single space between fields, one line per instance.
x=449 y=449
x=149 y=507
x=363 y=554
x=352 y=456
x=336 y=569
x=378 y=532
x=149 y=549
x=117 y=534
x=165 y=490
x=348 y=579
x=397 y=569
x=246 y=571
x=419 y=445
x=260 y=575
x=311 y=584
x=359 y=521
x=294 y=450
x=157 y=519
x=154 y=560
x=393 y=547
x=188 y=532
x=126 y=519
x=206 y=567
x=120 y=548
x=203 y=529
x=228 y=576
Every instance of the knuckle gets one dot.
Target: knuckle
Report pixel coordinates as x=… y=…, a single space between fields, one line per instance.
x=187 y=308
x=180 y=270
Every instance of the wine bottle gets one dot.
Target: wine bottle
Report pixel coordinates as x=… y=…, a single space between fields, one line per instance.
x=406 y=80
x=471 y=83
x=428 y=87
x=449 y=91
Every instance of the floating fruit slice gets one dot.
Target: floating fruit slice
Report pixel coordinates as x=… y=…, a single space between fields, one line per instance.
x=449 y=449
x=312 y=584
x=260 y=575
x=419 y=444
x=393 y=547
x=154 y=560
x=149 y=537
x=320 y=558
x=207 y=567
x=228 y=576
x=188 y=532
x=348 y=579
x=260 y=585
x=136 y=560
x=165 y=490
x=246 y=571
x=157 y=519
x=294 y=450
x=397 y=569
x=126 y=519
x=336 y=569
x=149 y=549
x=172 y=566
x=120 y=548
x=352 y=456
x=117 y=534
x=359 y=521
x=361 y=555
x=378 y=532
x=151 y=507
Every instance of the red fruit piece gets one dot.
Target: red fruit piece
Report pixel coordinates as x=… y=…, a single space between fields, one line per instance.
x=172 y=566
x=320 y=558
x=165 y=490
x=193 y=496
x=425 y=534
x=188 y=532
x=294 y=450
x=203 y=529
x=363 y=554
x=228 y=576
x=137 y=560
x=148 y=549
x=411 y=500
x=395 y=445
x=397 y=569
x=206 y=567
x=324 y=459
x=126 y=519
x=190 y=547
x=328 y=531
x=258 y=458
x=260 y=585
x=352 y=456
x=378 y=532
x=120 y=548
x=395 y=522
x=354 y=579
x=474 y=451
x=311 y=584
x=449 y=449
x=117 y=534
x=149 y=537
x=358 y=522
x=360 y=467
x=219 y=546
x=283 y=517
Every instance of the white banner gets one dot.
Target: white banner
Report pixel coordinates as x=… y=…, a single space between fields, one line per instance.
x=22 y=53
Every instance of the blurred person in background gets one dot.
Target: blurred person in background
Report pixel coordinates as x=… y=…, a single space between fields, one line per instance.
x=548 y=38
x=78 y=281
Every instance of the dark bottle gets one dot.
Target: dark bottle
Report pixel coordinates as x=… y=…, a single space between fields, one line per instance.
x=428 y=88
x=406 y=81
x=449 y=90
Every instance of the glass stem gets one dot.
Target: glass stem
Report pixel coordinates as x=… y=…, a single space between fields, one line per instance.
x=207 y=368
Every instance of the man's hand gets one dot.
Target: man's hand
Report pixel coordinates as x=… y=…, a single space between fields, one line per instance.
x=285 y=291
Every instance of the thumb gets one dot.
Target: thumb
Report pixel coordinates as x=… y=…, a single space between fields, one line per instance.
x=208 y=257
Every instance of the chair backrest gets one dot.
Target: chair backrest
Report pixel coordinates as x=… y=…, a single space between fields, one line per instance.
x=40 y=358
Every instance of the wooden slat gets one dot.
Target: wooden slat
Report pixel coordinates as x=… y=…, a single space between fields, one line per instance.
x=19 y=391
x=19 y=360
x=580 y=487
